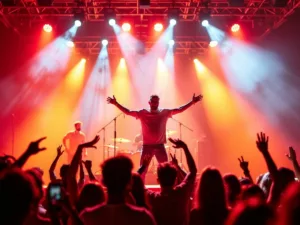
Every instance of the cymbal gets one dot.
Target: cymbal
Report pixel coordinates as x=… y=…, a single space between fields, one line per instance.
x=110 y=146
x=121 y=140
x=171 y=132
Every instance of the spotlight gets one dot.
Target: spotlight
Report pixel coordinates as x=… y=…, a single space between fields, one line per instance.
x=104 y=42
x=213 y=44
x=126 y=27
x=173 y=22
x=171 y=42
x=205 y=23
x=158 y=27
x=110 y=16
x=173 y=16
x=77 y=23
x=235 y=27
x=112 y=22
x=83 y=60
x=70 y=44
x=47 y=28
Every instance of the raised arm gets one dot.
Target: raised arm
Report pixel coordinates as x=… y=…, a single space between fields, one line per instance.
x=293 y=158
x=194 y=100
x=71 y=182
x=88 y=166
x=53 y=165
x=128 y=112
x=245 y=167
x=181 y=174
x=32 y=149
x=190 y=177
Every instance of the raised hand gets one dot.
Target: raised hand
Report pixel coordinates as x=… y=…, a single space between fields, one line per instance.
x=243 y=164
x=34 y=148
x=173 y=159
x=177 y=143
x=112 y=100
x=292 y=156
x=87 y=164
x=197 y=98
x=262 y=142
x=59 y=151
x=91 y=144
x=146 y=160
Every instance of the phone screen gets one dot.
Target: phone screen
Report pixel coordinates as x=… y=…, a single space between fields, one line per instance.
x=55 y=193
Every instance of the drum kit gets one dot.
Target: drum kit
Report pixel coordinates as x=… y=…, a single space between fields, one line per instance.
x=134 y=155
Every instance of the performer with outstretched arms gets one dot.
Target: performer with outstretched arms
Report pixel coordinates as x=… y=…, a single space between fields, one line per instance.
x=154 y=121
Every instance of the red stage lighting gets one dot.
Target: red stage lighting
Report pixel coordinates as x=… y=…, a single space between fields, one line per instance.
x=235 y=27
x=47 y=28
x=158 y=27
x=126 y=27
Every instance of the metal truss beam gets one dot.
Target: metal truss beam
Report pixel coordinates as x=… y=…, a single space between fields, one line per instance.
x=254 y=11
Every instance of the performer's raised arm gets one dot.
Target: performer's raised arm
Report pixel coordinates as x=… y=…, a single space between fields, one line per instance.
x=128 y=112
x=194 y=100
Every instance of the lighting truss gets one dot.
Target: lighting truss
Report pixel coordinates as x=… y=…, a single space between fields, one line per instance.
x=254 y=11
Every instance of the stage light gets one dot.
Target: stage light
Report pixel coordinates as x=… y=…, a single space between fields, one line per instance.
x=158 y=27
x=83 y=60
x=112 y=22
x=235 y=27
x=104 y=42
x=171 y=42
x=213 y=44
x=173 y=16
x=126 y=27
x=205 y=23
x=173 y=22
x=70 y=44
x=77 y=23
x=47 y=28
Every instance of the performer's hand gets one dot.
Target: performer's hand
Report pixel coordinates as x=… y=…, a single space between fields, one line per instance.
x=177 y=143
x=112 y=100
x=197 y=98
x=59 y=151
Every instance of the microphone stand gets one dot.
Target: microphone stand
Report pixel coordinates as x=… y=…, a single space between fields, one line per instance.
x=114 y=120
x=180 y=136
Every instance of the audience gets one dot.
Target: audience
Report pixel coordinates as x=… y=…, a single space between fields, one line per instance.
x=211 y=205
x=117 y=174
x=275 y=199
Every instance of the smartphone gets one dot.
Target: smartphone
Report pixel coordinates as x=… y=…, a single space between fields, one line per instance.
x=55 y=192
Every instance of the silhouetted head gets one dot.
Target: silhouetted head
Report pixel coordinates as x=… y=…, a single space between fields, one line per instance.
x=245 y=181
x=37 y=177
x=166 y=174
x=91 y=194
x=211 y=190
x=16 y=196
x=289 y=213
x=116 y=173
x=154 y=102
x=78 y=125
x=251 y=213
x=233 y=188
x=64 y=171
x=286 y=176
x=6 y=161
x=253 y=191
x=138 y=190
